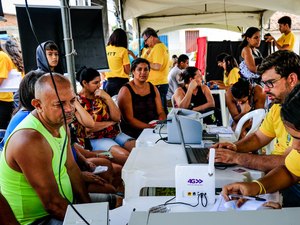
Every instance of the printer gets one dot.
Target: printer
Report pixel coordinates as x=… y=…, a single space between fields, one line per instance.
x=191 y=123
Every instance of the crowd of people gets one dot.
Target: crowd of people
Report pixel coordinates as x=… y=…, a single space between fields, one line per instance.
x=71 y=134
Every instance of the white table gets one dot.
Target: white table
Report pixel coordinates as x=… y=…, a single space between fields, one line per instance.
x=122 y=214
x=153 y=165
x=265 y=217
x=224 y=110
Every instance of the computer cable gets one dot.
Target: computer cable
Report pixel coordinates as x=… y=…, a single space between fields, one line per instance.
x=63 y=112
x=162 y=139
x=201 y=197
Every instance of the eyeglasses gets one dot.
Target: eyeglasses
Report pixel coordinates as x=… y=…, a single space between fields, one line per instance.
x=269 y=83
x=147 y=39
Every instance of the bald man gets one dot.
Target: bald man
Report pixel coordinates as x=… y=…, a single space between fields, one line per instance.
x=35 y=151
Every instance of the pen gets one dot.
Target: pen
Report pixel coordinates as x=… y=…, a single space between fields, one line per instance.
x=247 y=197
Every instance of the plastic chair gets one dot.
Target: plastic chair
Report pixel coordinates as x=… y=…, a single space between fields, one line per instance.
x=256 y=115
x=173 y=101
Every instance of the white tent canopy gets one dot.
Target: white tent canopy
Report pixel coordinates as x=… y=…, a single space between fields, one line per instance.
x=168 y=15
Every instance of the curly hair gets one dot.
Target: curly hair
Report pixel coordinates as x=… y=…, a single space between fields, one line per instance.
x=283 y=61
x=12 y=48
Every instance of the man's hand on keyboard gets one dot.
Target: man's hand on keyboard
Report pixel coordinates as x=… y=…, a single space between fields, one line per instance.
x=226 y=145
x=226 y=156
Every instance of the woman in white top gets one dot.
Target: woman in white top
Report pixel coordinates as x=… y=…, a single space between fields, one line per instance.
x=250 y=55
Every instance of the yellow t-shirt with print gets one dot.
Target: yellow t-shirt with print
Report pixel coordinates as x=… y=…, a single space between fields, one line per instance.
x=158 y=54
x=292 y=162
x=273 y=127
x=232 y=78
x=117 y=57
x=6 y=65
x=288 y=39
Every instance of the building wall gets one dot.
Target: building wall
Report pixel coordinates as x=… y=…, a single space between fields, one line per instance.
x=10 y=26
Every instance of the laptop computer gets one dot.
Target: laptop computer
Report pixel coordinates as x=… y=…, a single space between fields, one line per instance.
x=191 y=121
x=93 y=213
x=195 y=155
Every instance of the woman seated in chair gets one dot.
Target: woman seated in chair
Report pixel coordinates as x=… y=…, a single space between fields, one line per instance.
x=231 y=74
x=242 y=98
x=139 y=100
x=105 y=135
x=193 y=94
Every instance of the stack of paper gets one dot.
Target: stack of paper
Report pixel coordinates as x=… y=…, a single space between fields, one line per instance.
x=222 y=205
x=222 y=131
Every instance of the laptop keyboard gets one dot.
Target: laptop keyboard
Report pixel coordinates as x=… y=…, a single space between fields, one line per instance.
x=199 y=155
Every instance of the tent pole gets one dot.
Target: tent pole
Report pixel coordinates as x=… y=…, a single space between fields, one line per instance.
x=139 y=36
x=261 y=22
x=123 y=23
x=68 y=41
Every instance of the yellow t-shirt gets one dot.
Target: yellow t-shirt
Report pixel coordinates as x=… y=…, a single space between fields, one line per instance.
x=273 y=127
x=232 y=78
x=158 y=54
x=117 y=57
x=288 y=39
x=292 y=162
x=6 y=65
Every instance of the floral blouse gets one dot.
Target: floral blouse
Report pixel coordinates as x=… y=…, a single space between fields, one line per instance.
x=99 y=111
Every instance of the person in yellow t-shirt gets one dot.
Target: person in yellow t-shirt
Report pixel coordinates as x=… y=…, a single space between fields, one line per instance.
x=280 y=74
x=158 y=56
x=287 y=39
x=10 y=58
x=118 y=61
x=284 y=178
x=231 y=74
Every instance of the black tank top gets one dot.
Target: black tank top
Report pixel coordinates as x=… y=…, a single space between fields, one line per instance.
x=144 y=109
x=198 y=99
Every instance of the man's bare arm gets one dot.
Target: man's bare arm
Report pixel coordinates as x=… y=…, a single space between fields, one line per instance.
x=40 y=176
x=252 y=142
x=252 y=161
x=78 y=184
x=259 y=162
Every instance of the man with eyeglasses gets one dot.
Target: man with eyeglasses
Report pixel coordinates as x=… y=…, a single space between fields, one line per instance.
x=280 y=73
x=158 y=56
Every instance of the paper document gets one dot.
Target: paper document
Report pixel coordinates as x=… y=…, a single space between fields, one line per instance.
x=222 y=205
x=13 y=80
x=220 y=130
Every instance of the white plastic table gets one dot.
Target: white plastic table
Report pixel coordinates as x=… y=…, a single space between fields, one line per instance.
x=153 y=165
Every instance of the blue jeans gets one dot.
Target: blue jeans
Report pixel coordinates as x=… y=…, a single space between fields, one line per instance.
x=163 y=90
x=107 y=143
